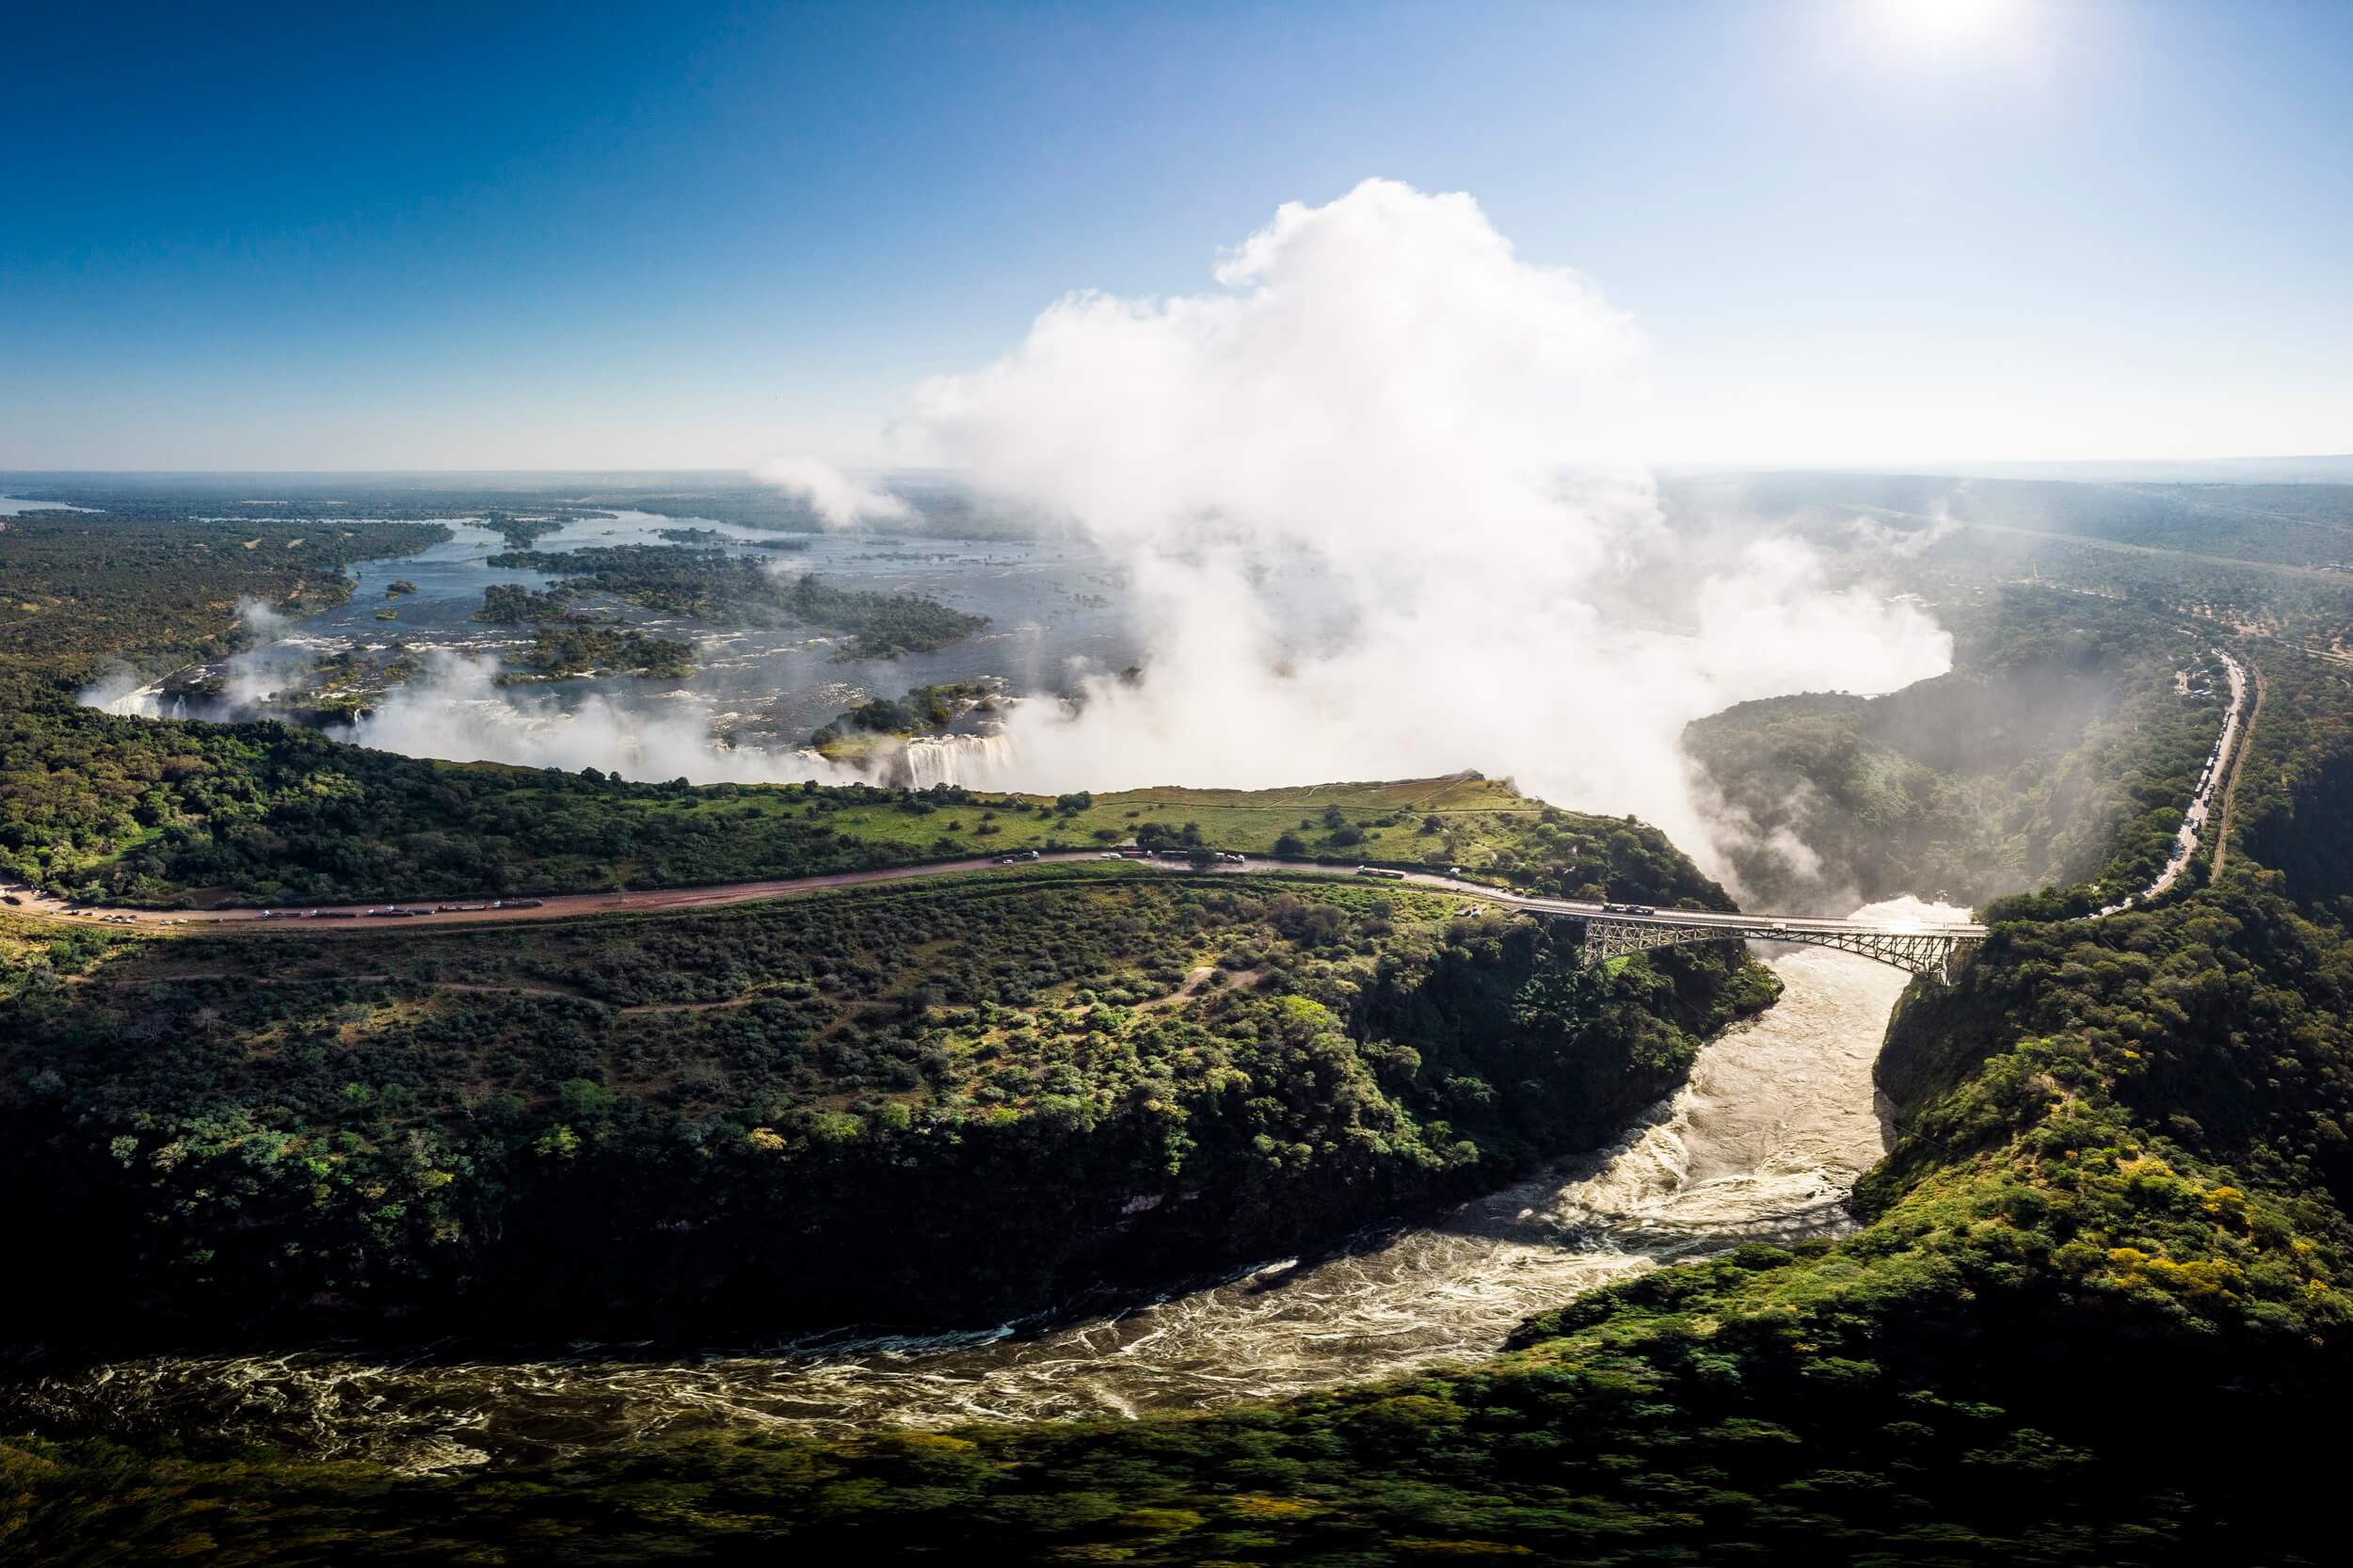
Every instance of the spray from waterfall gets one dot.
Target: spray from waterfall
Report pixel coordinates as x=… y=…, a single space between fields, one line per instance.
x=1377 y=499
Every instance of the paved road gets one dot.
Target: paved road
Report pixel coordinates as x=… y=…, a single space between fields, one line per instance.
x=2201 y=805
x=570 y=905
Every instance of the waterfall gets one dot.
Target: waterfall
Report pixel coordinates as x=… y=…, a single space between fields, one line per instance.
x=974 y=761
x=144 y=702
x=179 y=707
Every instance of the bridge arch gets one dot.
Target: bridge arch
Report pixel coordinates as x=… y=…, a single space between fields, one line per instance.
x=1922 y=953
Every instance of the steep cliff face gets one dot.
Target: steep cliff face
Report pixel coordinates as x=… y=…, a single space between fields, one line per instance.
x=2293 y=806
x=2059 y=751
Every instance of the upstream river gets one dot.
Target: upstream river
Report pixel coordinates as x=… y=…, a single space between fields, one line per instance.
x=1763 y=1143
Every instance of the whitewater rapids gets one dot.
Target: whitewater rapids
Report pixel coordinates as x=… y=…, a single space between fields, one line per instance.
x=1764 y=1143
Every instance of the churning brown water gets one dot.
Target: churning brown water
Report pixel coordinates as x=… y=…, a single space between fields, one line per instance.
x=1764 y=1143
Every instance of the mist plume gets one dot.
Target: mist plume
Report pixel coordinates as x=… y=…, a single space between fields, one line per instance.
x=1376 y=499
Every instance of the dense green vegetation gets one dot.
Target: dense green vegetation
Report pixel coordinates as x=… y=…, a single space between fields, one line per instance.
x=2293 y=803
x=519 y=532
x=712 y=537
x=131 y=810
x=504 y=604
x=2096 y=1303
x=77 y=589
x=137 y=810
x=574 y=646
x=2095 y=1313
x=712 y=584
x=943 y=1103
x=680 y=580
x=924 y=710
x=336 y=685
x=884 y=624
x=2058 y=751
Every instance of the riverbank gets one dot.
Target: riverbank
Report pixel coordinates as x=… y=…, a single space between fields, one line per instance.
x=1762 y=1142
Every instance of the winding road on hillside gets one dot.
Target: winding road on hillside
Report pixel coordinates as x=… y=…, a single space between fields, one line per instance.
x=2221 y=766
x=1629 y=927
x=1632 y=926
x=328 y=917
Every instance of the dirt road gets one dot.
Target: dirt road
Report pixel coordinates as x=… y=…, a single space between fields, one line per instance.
x=329 y=918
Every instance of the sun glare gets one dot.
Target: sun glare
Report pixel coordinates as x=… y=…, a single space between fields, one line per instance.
x=1944 y=27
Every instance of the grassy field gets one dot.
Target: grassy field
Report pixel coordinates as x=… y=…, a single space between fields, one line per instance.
x=1460 y=820
x=319 y=822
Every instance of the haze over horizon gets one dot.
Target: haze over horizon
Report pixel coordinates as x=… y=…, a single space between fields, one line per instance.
x=1900 y=234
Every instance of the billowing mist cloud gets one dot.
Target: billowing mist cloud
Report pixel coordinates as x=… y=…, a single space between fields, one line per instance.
x=1900 y=539
x=250 y=677
x=1374 y=503
x=456 y=709
x=840 y=500
x=267 y=662
x=119 y=690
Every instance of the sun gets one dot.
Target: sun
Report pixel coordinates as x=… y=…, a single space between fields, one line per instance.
x=1944 y=27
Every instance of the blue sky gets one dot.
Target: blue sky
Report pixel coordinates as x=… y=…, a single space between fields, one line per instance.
x=614 y=236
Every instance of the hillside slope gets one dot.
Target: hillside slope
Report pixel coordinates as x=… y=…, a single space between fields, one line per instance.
x=2059 y=750
x=2097 y=1315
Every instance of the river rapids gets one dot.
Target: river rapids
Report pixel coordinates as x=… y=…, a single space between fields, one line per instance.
x=1763 y=1143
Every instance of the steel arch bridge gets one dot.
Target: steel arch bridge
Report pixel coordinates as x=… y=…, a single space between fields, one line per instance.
x=1926 y=951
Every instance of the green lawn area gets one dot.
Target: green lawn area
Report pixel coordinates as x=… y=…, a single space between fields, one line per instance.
x=1482 y=815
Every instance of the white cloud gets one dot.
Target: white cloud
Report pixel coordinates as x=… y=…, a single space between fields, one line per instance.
x=840 y=500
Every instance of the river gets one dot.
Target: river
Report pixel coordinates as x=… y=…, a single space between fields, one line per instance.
x=1763 y=1143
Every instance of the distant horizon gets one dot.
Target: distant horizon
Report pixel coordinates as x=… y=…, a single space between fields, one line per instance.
x=1958 y=469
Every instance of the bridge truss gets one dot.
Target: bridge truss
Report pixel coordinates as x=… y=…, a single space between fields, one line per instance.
x=1925 y=953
